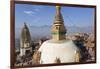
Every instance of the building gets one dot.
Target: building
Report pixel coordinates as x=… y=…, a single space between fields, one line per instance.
x=58 y=49
x=90 y=46
x=25 y=41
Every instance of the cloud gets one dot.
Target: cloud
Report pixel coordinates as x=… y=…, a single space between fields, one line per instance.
x=33 y=11
x=29 y=12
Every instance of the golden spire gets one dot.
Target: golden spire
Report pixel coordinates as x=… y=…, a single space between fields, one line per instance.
x=58 y=7
x=58 y=28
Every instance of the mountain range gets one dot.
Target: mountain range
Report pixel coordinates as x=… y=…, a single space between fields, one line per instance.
x=45 y=31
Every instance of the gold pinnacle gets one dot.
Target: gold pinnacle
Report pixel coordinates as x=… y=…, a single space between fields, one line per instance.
x=58 y=7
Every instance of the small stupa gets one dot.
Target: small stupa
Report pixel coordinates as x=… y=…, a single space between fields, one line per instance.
x=59 y=49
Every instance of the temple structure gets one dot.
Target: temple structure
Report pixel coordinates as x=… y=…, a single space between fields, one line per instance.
x=25 y=41
x=58 y=49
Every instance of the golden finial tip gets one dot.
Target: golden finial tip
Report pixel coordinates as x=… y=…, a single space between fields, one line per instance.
x=58 y=7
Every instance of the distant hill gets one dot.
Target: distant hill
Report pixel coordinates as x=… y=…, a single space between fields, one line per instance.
x=38 y=32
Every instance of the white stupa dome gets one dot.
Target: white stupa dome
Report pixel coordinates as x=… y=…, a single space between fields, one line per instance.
x=65 y=50
x=58 y=49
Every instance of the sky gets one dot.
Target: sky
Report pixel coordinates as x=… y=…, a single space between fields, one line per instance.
x=40 y=15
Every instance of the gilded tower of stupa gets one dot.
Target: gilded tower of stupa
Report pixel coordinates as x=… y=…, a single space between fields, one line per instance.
x=58 y=29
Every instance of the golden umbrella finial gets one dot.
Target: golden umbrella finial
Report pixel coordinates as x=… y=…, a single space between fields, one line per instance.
x=58 y=7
